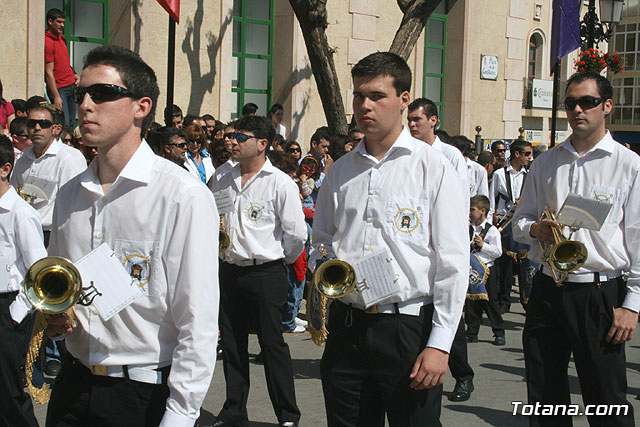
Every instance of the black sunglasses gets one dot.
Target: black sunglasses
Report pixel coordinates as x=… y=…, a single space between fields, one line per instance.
x=240 y=137
x=43 y=123
x=182 y=145
x=585 y=102
x=101 y=92
x=294 y=150
x=195 y=141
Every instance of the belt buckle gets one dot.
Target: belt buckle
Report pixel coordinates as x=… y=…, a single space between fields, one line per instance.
x=99 y=370
x=372 y=310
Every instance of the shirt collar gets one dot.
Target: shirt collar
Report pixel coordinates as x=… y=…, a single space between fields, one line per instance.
x=53 y=150
x=51 y=35
x=511 y=169
x=607 y=144
x=236 y=173
x=8 y=199
x=404 y=141
x=437 y=144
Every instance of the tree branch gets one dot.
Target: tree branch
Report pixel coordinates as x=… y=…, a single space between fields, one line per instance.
x=416 y=13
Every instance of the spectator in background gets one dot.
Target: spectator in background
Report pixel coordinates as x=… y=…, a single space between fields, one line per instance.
x=66 y=137
x=355 y=136
x=486 y=160
x=476 y=174
x=35 y=101
x=499 y=150
x=340 y=146
x=7 y=112
x=20 y=107
x=197 y=160
x=539 y=149
x=173 y=145
x=293 y=148
x=19 y=136
x=276 y=113
x=58 y=125
x=173 y=117
x=250 y=109
x=190 y=119
x=60 y=78
x=320 y=146
x=209 y=127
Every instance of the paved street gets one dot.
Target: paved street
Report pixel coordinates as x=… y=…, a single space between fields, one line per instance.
x=499 y=380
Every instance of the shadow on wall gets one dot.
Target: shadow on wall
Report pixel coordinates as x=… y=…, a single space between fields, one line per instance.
x=201 y=83
x=296 y=77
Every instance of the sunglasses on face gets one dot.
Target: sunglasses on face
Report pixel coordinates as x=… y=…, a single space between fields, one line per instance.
x=585 y=102
x=43 y=123
x=294 y=150
x=501 y=150
x=182 y=145
x=101 y=92
x=240 y=137
x=195 y=141
x=526 y=153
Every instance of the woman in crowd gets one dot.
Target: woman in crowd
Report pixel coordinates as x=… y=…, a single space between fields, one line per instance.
x=198 y=161
x=293 y=149
x=7 y=113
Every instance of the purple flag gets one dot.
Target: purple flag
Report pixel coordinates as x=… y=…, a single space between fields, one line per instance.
x=565 y=29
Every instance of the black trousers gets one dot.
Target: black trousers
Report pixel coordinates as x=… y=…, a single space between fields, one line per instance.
x=365 y=369
x=473 y=309
x=80 y=399
x=574 y=318
x=258 y=292
x=16 y=408
x=459 y=357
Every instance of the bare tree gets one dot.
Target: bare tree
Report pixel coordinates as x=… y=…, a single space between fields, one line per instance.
x=312 y=16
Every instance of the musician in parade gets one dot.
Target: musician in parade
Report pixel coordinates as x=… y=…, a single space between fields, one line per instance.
x=504 y=194
x=21 y=245
x=594 y=310
x=391 y=358
x=151 y=363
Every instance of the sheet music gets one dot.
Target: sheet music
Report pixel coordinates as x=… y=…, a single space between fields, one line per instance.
x=38 y=187
x=224 y=201
x=376 y=271
x=583 y=212
x=116 y=288
x=5 y=274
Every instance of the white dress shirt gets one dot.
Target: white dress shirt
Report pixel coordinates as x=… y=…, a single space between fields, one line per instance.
x=281 y=130
x=478 y=181
x=406 y=204
x=499 y=186
x=157 y=216
x=608 y=172
x=209 y=170
x=56 y=164
x=456 y=158
x=492 y=246
x=21 y=243
x=76 y=153
x=267 y=223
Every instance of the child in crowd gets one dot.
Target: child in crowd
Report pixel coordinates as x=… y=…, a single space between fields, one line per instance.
x=486 y=245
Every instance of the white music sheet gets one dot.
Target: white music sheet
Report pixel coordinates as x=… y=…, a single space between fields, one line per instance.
x=224 y=201
x=376 y=277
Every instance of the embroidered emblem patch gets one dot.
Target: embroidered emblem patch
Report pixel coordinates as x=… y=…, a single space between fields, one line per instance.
x=254 y=213
x=139 y=267
x=406 y=220
x=602 y=198
x=474 y=277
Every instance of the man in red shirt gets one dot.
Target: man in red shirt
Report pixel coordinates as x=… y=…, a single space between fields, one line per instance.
x=60 y=77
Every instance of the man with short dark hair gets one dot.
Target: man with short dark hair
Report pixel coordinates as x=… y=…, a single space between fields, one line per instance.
x=151 y=363
x=250 y=109
x=391 y=198
x=476 y=174
x=173 y=117
x=60 y=78
x=595 y=310
x=173 y=145
x=320 y=147
x=58 y=125
x=266 y=228
x=209 y=126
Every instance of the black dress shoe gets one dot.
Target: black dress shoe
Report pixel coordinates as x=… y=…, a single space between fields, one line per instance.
x=471 y=339
x=462 y=391
x=500 y=341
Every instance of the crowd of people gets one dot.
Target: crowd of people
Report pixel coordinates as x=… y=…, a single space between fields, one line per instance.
x=220 y=227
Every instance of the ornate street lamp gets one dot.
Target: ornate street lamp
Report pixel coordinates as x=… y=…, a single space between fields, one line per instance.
x=594 y=30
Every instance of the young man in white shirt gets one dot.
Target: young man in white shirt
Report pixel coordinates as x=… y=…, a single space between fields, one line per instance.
x=267 y=230
x=20 y=246
x=46 y=160
x=594 y=312
x=504 y=194
x=152 y=362
x=391 y=197
x=476 y=174
x=487 y=246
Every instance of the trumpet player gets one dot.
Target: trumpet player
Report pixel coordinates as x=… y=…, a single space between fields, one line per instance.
x=595 y=311
x=392 y=193
x=20 y=246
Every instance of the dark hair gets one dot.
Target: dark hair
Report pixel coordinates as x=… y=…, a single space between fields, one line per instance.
x=442 y=135
x=249 y=109
x=18 y=104
x=54 y=14
x=170 y=112
x=494 y=143
x=352 y=133
x=57 y=113
x=604 y=85
x=42 y=108
x=463 y=144
x=337 y=145
x=322 y=132
x=429 y=107
x=208 y=117
x=480 y=201
x=261 y=127
x=385 y=64
x=539 y=149
x=1 y=97
x=291 y=143
x=18 y=126
x=164 y=136
x=518 y=145
x=485 y=157
x=136 y=75
x=6 y=151
x=283 y=161
x=276 y=107
x=189 y=119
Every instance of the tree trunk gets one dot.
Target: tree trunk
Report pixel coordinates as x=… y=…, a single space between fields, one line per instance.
x=415 y=17
x=312 y=16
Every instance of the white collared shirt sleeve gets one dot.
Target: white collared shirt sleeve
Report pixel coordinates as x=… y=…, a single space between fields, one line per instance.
x=483 y=181
x=631 y=226
x=527 y=211
x=294 y=228
x=492 y=247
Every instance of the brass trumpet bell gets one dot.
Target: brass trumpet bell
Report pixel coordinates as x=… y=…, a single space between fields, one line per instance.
x=335 y=278
x=53 y=285
x=565 y=255
x=224 y=241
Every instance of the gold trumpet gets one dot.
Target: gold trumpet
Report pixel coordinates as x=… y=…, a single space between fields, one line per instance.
x=335 y=278
x=565 y=255
x=224 y=241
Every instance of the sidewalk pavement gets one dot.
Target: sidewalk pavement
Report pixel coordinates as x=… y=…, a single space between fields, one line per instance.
x=499 y=380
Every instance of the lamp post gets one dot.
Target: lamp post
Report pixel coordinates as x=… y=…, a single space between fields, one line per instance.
x=594 y=30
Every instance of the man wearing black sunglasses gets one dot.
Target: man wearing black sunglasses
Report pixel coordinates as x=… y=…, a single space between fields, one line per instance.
x=155 y=354
x=45 y=166
x=595 y=310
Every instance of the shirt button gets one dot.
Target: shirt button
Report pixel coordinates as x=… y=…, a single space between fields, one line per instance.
x=370 y=219
x=373 y=193
x=100 y=236
x=369 y=248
